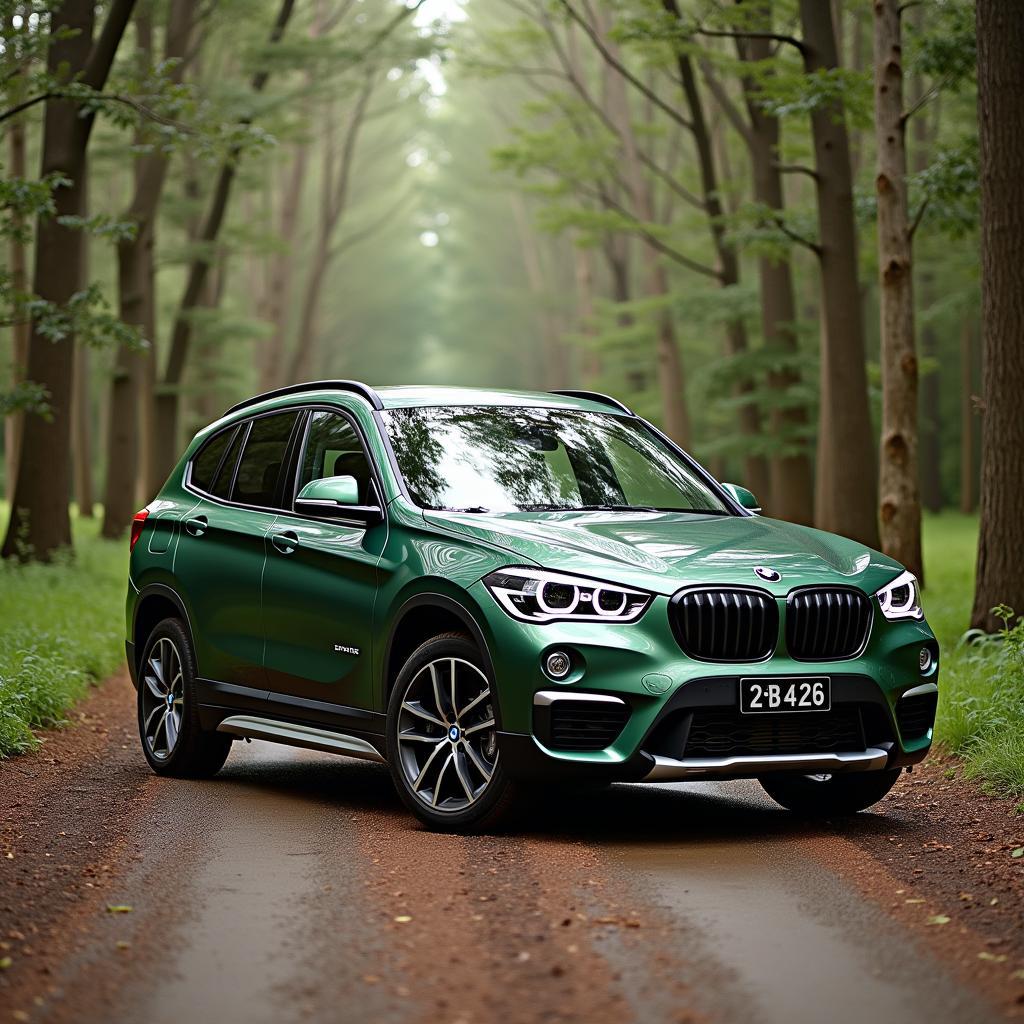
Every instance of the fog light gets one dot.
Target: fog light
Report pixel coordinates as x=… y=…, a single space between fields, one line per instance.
x=925 y=659
x=558 y=664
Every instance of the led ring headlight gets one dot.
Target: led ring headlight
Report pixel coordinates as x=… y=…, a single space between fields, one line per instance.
x=901 y=598
x=601 y=609
x=538 y=595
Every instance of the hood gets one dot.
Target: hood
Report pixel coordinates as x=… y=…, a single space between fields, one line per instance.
x=663 y=551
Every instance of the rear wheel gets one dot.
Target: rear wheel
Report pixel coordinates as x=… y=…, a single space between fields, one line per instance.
x=172 y=740
x=442 y=738
x=821 y=796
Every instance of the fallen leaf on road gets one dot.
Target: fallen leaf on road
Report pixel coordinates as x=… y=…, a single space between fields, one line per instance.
x=1018 y=852
x=914 y=901
x=938 y=919
x=403 y=918
x=5 y=963
x=119 y=908
x=999 y=958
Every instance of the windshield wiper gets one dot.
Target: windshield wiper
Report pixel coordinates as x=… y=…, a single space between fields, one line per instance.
x=623 y=508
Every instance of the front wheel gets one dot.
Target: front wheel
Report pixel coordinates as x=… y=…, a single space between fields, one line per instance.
x=442 y=738
x=822 y=796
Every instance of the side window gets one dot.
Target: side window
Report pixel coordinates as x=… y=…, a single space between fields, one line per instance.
x=262 y=460
x=333 y=448
x=207 y=462
x=222 y=485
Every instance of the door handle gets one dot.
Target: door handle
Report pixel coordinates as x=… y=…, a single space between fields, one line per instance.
x=285 y=542
x=197 y=525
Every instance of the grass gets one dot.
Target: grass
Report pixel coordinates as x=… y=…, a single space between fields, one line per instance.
x=61 y=630
x=981 y=705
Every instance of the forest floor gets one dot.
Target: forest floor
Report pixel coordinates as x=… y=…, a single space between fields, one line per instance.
x=294 y=887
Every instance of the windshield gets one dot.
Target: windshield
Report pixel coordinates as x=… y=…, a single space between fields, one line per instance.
x=498 y=459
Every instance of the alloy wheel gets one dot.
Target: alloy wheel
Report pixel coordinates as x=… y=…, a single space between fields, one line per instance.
x=447 y=739
x=163 y=699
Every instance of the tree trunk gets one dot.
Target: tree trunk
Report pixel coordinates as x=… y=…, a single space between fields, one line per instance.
x=583 y=266
x=136 y=285
x=167 y=405
x=968 y=472
x=846 y=497
x=279 y=285
x=898 y=481
x=1000 y=577
x=39 y=522
x=19 y=331
x=792 y=479
x=756 y=475
x=81 y=434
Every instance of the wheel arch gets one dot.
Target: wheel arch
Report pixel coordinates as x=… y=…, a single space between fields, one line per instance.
x=155 y=603
x=425 y=615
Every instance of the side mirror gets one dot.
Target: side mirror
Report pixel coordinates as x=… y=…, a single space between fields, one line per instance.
x=335 y=497
x=743 y=497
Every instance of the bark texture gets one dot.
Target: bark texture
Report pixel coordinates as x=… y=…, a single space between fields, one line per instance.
x=899 y=488
x=1000 y=576
x=39 y=522
x=846 y=495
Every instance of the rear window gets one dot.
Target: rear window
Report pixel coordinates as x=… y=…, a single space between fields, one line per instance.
x=262 y=460
x=207 y=462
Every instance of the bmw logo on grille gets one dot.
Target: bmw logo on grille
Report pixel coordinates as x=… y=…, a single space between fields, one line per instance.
x=767 y=574
x=453 y=733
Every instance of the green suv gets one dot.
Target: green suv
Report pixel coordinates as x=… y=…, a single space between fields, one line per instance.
x=491 y=589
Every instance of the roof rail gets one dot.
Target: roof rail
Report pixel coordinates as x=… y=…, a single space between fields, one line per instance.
x=353 y=386
x=596 y=396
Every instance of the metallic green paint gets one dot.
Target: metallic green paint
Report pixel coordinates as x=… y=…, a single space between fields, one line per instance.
x=317 y=622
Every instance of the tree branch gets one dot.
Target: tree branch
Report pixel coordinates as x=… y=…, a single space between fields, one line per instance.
x=796 y=169
x=725 y=103
x=774 y=36
x=628 y=75
x=918 y=217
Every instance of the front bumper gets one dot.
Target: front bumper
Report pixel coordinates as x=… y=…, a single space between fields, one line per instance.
x=665 y=693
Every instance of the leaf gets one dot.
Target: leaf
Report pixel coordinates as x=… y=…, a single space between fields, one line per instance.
x=938 y=919
x=403 y=918
x=995 y=958
x=1019 y=852
x=119 y=908
x=5 y=963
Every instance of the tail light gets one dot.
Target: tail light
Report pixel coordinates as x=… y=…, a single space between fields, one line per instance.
x=138 y=521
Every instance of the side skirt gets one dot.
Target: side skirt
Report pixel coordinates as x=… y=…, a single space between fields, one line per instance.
x=296 y=735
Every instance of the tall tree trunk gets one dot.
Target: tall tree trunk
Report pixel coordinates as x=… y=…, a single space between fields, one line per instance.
x=792 y=479
x=1000 y=576
x=282 y=263
x=18 y=276
x=846 y=496
x=898 y=481
x=968 y=470
x=39 y=522
x=756 y=475
x=167 y=403
x=590 y=361
x=334 y=204
x=136 y=285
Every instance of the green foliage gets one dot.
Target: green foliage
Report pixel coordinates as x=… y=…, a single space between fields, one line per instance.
x=946 y=192
x=60 y=630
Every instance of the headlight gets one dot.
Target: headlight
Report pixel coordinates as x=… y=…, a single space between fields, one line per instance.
x=901 y=599
x=535 y=595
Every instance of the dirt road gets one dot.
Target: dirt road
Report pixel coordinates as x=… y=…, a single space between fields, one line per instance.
x=294 y=888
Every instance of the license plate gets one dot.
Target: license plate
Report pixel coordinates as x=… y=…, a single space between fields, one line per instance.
x=798 y=693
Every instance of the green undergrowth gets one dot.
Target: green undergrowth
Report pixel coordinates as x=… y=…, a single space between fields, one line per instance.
x=61 y=630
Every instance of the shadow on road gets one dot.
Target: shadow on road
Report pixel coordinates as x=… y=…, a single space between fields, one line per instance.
x=737 y=812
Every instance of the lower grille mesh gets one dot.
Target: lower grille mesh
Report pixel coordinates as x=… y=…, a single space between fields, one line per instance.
x=583 y=725
x=720 y=732
x=915 y=715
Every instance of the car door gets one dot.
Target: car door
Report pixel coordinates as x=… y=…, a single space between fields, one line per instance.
x=222 y=550
x=320 y=583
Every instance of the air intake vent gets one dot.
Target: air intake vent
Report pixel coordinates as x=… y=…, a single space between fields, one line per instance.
x=827 y=623
x=915 y=714
x=723 y=732
x=580 y=724
x=726 y=624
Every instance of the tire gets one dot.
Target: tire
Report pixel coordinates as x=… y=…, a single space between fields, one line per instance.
x=453 y=781
x=829 y=796
x=168 y=709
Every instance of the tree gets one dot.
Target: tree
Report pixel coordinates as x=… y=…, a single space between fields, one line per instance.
x=39 y=522
x=899 y=489
x=1000 y=576
x=136 y=286
x=847 y=487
